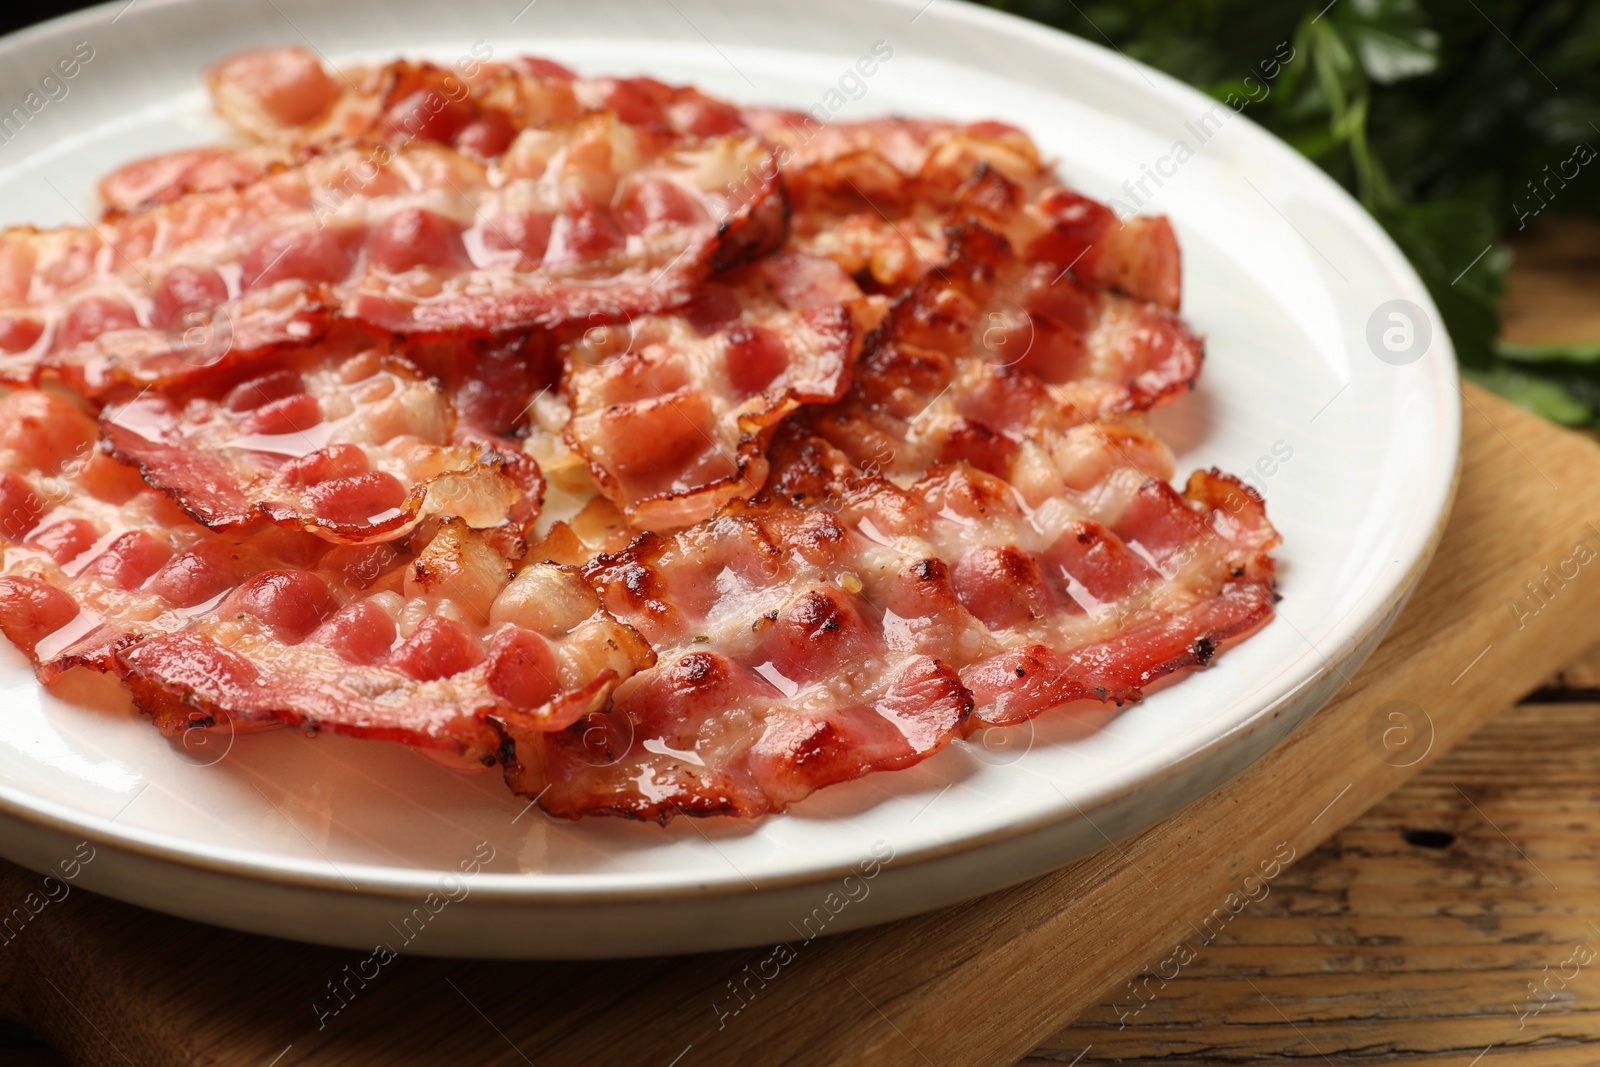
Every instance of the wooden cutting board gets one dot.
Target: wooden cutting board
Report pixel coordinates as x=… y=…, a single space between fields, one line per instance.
x=1413 y=936
x=980 y=983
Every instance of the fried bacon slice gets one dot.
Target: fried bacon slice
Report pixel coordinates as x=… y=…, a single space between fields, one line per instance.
x=995 y=360
x=770 y=681
x=347 y=440
x=878 y=195
x=840 y=625
x=285 y=95
x=1040 y=557
x=592 y=223
x=161 y=179
x=1067 y=589
x=264 y=92
x=673 y=413
x=415 y=641
x=292 y=108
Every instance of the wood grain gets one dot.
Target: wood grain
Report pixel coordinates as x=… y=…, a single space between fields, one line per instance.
x=984 y=982
x=1412 y=937
x=1581 y=675
x=1553 y=291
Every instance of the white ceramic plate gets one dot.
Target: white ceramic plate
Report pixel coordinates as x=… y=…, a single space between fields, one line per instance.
x=341 y=841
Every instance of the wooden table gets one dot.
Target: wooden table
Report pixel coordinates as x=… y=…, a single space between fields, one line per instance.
x=1413 y=935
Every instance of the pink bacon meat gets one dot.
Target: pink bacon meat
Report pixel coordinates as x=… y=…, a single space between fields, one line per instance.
x=293 y=108
x=593 y=223
x=994 y=360
x=417 y=643
x=770 y=682
x=347 y=440
x=1068 y=589
x=673 y=413
x=285 y=95
x=844 y=626
x=877 y=196
x=164 y=178
x=1068 y=569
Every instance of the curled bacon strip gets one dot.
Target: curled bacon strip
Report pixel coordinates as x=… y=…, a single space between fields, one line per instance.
x=413 y=642
x=995 y=359
x=1094 y=592
x=1049 y=559
x=163 y=178
x=675 y=424
x=843 y=625
x=293 y=108
x=286 y=96
x=375 y=667
x=596 y=222
x=349 y=442
x=877 y=196
x=771 y=681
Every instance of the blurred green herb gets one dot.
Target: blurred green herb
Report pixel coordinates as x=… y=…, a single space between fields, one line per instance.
x=1455 y=122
